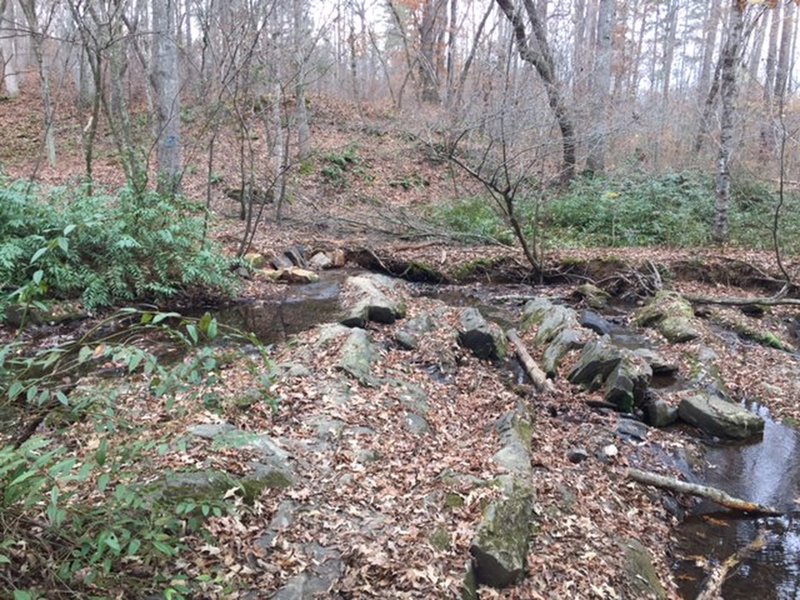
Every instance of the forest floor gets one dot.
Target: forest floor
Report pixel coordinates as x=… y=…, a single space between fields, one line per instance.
x=392 y=512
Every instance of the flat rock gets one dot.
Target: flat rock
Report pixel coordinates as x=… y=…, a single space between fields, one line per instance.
x=484 y=339
x=720 y=417
x=632 y=429
x=324 y=571
x=298 y=275
x=591 y=320
x=413 y=330
x=659 y=364
x=416 y=424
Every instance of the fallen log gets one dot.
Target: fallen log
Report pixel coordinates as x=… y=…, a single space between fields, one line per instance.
x=717 y=577
x=539 y=377
x=703 y=491
x=733 y=301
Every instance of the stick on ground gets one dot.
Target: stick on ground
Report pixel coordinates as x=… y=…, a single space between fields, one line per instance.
x=704 y=491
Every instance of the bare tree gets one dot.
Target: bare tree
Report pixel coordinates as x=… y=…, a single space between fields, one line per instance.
x=601 y=86
x=538 y=54
x=729 y=60
x=165 y=79
x=8 y=48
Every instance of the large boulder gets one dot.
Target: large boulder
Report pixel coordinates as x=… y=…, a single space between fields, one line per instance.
x=720 y=417
x=371 y=298
x=591 y=320
x=566 y=340
x=627 y=383
x=500 y=548
x=597 y=360
x=593 y=296
x=484 y=339
x=671 y=314
x=555 y=320
x=515 y=430
x=640 y=576
x=534 y=312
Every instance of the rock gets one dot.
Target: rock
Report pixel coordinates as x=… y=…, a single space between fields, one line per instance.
x=597 y=360
x=324 y=571
x=660 y=413
x=485 y=340
x=338 y=258
x=292 y=370
x=591 y=320
x=632 y=429
x=440 y=539
x=594 y=296
x=555 y=320
x=658 y=363
x=298 y=275
x=296 y=254
x=515 y=431
x=720 y=417
x=283 y=518
x=500 y=548
x=641 y=578
x=577 y=455
x=416 y=424
x=320 y=261
x=413 y=330
x=678 y=330
x=671 y=314
x=469 y=586
x=607 y=452
x=255 y=260
x=281 y=262
x=566 y=340
x=754 y=310
x=534 y=311
x=357 y=355
x=371 y=298
x=210 y=431
x=208 y=485
x=627 y=383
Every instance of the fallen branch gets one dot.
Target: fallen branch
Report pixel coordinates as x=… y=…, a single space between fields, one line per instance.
x=721 y=572
x=539 y=378
x=732 y=301
x=704 y=491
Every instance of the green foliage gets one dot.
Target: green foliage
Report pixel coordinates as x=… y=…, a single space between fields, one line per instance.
x=337 y=164
x=675 y=209
x=103 y=249
x=476 y=217
x=409 y=182
x=44 y=481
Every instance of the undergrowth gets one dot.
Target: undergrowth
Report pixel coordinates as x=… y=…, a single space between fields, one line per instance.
x=103 y=249
x=675 y=209
x=80 y=512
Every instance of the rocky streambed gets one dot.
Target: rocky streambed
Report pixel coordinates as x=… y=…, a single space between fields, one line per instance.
x=410 y=456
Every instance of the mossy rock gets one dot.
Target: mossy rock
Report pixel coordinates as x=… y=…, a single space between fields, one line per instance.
x=500 y=548
x=534 y=312
x=664 y=304
x=595 y=297
x=641 y=577
x=472 y=269
x=440 y=539
x=453 y=500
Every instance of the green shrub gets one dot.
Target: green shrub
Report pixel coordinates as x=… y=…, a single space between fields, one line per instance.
x=103 y=249
x=475 y=217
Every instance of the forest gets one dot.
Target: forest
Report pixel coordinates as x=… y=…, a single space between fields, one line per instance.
x=399 y=299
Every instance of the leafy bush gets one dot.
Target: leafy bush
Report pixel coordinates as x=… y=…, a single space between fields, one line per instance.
x=475 y=217
x=86 y=520
x=103 y=249
x=674 y=209
x=337 y=164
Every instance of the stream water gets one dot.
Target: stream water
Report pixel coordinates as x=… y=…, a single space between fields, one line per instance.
x=766 y=471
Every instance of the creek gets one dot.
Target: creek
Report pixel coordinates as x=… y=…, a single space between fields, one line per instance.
x=766 y=470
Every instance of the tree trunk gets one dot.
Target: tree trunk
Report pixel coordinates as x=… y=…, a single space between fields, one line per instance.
x=783 y=72
x=539 y=56
x=166 y=84
x=42 y=63
x=709 y=45
x=300 y=111
x=601 y=85
x=429 y=49
x=728 y=95
x=8 y=49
